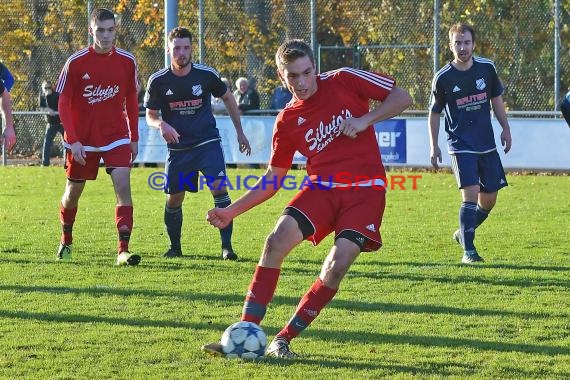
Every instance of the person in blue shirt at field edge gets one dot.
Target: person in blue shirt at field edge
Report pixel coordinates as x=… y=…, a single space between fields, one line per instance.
x=6 y=77
x=466 y=88
x=8 y=136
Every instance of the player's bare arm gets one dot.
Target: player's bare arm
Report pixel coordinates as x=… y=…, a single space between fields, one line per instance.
x=264 y=189
x=166 y=130
x=233 y=111
x=8 y=136
x=435 y=152
x=394 y=104
x=501 y=115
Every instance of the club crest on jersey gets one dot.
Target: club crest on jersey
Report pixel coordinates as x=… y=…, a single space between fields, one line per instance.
x=197 y=90
x=480 y=84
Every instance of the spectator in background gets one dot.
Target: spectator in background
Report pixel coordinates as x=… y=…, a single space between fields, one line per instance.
x=48 y=100
x=140 y=100
x=247 y=98
x=8 y=136
x=281 y=96
x=218 y=106
x=6 y=77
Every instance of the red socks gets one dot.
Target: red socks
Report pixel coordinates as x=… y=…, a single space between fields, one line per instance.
x=260 y=293
x=308 y=309
x=67 y=218
x=124 y=223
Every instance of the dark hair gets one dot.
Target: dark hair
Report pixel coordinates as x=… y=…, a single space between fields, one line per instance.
x=101 y=14
x=179 y=32
x=290 y=50
x=461 y=27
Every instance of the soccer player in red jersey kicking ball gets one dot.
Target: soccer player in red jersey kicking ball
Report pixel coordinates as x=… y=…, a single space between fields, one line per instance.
x=98 y=107
x=330 y=123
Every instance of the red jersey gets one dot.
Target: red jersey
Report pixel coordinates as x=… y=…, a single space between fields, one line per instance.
x=98 y=99
x=311 y=127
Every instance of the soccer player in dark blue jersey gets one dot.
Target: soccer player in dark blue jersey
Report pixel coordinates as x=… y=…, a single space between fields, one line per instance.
x=466 y=89
x=182 y=93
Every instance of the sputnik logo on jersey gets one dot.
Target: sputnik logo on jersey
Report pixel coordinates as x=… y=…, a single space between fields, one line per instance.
x=97 y=94
x=324 y=134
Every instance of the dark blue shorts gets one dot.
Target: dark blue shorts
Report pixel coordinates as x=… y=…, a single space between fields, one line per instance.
x=484 y=170
x=183 y=168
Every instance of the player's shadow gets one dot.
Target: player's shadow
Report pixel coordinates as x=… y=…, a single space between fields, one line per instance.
x=428 y=368
x=474 y=274
x=337 y=336
x=349 y=363
x=372 y=338
x=225 y=299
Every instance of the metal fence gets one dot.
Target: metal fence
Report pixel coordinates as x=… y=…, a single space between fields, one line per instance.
x=239 y=38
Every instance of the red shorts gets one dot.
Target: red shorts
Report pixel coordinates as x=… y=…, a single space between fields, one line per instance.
x=119 y=157
x=357 y=209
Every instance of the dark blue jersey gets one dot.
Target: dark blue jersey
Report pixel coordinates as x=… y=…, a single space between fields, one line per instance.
x=465 y=96
x=185 y=103
x=6 y=77
x=565 y=108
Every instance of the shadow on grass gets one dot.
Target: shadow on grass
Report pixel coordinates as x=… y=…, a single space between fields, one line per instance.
x=427 y=369
x=430 y=369
x=438 y=341
x=472 y=278
x=353 y=337
x=359 y=306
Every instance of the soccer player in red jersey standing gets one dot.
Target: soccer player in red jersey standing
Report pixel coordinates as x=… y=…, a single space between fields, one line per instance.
x=98 y=107
x=329 y=121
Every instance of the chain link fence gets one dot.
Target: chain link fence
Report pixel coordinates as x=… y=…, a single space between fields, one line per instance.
x=240 y=37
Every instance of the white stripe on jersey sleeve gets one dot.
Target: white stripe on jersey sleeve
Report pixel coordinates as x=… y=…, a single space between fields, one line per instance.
x=377 y=79
x=132 y=57
x=206 y=68
x=485 y=60
x=63 y=75
x=441 y=71
x=157 y=74
x=125 y=53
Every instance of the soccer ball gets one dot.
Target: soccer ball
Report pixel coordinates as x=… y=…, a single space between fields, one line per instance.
x=244 y=340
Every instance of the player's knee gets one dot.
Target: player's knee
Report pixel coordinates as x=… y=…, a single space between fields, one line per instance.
x=332 y=275
x=274 y=241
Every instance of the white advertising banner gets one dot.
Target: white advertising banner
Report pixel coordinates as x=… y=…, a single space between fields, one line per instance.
x=537 y=143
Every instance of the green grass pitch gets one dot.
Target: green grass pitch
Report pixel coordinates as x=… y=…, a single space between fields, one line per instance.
x=408 y=311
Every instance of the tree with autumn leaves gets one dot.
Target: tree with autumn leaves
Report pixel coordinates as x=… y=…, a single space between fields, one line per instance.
x=241 y=36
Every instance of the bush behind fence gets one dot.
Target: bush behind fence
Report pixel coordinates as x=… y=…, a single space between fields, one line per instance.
x=240 y=38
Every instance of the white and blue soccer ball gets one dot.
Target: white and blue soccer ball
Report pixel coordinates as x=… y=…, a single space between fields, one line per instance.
x=244 y=340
